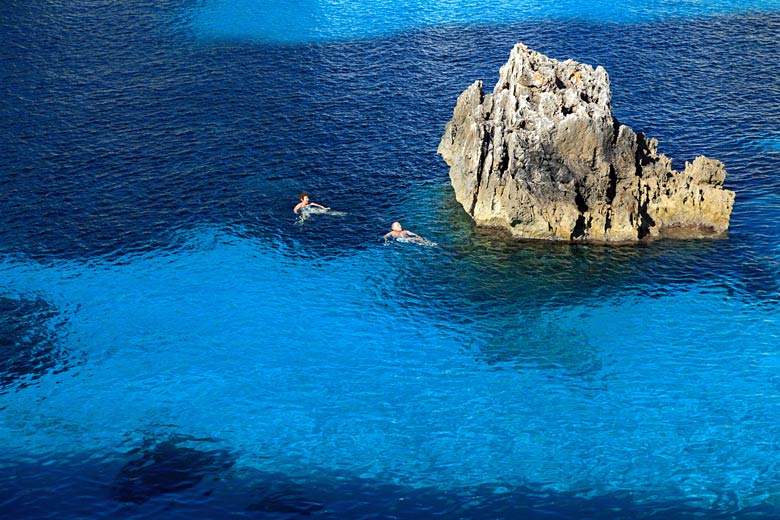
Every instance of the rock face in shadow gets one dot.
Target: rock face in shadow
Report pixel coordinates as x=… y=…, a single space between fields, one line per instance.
x=544 y=157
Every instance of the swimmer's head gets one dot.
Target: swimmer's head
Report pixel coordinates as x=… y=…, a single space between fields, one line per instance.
x=304 y=195
x=396 y=226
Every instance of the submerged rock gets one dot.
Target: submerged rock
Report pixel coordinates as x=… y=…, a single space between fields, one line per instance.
x=544 y=157
x=31 y=330
x=167 y=466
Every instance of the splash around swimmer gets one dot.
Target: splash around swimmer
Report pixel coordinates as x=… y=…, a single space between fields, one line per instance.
x=306 y=203
x=399 y=234
x=306 y=207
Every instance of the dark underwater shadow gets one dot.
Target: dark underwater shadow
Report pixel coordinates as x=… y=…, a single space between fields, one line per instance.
x=173 y=481
x=544 y=345
x=30 y=342
x=168 y=464
x=341 y=496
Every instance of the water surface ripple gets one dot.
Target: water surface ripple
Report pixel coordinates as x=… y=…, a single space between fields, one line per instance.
x=176 y=344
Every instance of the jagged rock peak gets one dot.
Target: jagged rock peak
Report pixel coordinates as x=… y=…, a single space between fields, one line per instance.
x=544 y=157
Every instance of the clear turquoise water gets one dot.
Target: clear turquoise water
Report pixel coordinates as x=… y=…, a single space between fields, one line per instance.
x=303 y=368
x=177 y=346
x=337 y=20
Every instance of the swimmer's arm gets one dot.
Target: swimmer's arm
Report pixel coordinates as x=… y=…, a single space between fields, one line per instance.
x=318 y=205
x=297 y=207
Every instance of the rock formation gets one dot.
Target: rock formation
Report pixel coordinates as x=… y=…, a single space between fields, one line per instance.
x=544 y=157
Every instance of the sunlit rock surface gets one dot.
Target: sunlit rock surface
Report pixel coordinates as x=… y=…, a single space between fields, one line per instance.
x=544 y=157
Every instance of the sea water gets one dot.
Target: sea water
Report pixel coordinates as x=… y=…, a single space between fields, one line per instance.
x=337 y=20
x=178 y=344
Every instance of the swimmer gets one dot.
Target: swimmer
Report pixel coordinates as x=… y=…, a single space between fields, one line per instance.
x=397 y=232
x=306 y=203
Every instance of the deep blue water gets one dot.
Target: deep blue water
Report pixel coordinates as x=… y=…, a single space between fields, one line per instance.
x=174 y=344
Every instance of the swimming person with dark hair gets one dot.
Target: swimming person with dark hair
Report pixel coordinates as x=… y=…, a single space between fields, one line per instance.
x=398 y=233
x=306 y=203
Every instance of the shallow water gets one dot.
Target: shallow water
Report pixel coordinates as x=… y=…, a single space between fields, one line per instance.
x=178 y=344
x=336 y=20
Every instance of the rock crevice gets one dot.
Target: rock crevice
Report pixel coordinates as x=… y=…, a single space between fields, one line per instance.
x=543 y=156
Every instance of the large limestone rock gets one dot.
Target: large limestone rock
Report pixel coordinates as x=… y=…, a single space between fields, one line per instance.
x=544 y=157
